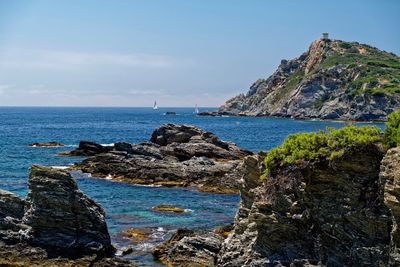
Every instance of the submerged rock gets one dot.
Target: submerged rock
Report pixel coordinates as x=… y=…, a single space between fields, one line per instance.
x=177 y=155
x=47 y=144
x=324 y=213
x=168 y=208
x=55 y=220
x=137 y=234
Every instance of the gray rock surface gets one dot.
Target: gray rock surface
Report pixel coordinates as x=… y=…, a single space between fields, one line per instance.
x=176 y=155
x=55 y=216
x=187 y=248
x=390 y=177
x=341 y=213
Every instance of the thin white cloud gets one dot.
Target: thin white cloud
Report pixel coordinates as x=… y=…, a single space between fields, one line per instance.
x=4 y=88
x=48 y=59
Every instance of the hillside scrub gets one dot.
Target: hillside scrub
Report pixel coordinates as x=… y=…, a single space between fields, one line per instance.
x=392 y=129
x=329 y=144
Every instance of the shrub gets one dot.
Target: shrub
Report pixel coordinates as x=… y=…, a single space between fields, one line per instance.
x=392 y=129
x=345 y=45
x=329 y=144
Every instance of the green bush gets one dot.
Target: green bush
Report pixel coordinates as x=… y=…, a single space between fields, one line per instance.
x=392 y=129
x=329 y=144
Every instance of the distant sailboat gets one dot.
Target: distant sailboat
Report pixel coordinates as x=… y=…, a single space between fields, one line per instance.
x=196 y=110
x=155 y=105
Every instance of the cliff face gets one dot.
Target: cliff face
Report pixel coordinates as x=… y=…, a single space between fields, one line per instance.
x=330 y=213
x=332 y=80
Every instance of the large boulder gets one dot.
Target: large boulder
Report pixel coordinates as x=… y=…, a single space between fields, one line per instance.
x=187 y=248
x=61 y=218
x=55 y=216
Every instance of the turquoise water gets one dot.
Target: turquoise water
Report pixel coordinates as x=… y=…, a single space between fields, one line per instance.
x=130 y=205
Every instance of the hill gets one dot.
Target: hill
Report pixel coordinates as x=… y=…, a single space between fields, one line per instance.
x=334 y=79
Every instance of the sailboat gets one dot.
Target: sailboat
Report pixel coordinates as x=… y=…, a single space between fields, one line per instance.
x=155 y=105
x=196 y=109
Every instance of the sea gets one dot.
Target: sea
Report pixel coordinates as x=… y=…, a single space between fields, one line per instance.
x=130 y=205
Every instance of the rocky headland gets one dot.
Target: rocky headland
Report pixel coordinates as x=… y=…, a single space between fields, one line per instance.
x=320 y=199
x=334 y=79
x=56 y=225
x=175 y=155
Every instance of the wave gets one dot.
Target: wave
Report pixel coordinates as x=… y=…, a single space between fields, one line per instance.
x=111 y=144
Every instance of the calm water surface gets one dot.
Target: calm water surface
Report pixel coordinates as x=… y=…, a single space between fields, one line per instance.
x=130 y=205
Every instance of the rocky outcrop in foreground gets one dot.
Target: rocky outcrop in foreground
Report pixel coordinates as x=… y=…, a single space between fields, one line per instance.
x=55 y=220
x=187 y=248
x=390 y=177
x=341 y=212
x=176 y=155
x=332 y=80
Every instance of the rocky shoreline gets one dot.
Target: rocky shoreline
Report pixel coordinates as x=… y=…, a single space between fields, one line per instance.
x=56 y=225
x=337 y=203
x=175 y=155
x=341 y=212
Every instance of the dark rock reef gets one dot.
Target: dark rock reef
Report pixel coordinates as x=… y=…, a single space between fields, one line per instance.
x=46 y=144
x=176 y=155
x=332 y=80
x=55 y=221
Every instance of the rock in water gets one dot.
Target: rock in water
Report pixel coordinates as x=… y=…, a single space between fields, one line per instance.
x=326 y=213
x=176 y=155
x=87 y=148
x=187 y=248
x=390 y=177
x=332 y=80
x=61 y=218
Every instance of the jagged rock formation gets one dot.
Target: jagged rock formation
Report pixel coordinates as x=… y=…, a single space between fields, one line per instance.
x=332 y=80
x=176 y=155
x=56 y=219
x=390 y=177
x=327 y=213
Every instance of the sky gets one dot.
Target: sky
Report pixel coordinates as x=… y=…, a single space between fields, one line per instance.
x=179 y=52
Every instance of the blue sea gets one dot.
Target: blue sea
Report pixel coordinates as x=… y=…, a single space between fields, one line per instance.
x=130 y=205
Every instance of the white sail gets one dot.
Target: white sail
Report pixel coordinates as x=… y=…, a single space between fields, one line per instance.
x=155 y=105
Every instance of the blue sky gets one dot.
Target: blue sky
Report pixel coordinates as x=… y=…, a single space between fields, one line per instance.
x=180 y=52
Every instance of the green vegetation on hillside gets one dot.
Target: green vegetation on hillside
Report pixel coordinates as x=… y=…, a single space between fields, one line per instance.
x=378 y=71
x=329 y=144
x=392 y=129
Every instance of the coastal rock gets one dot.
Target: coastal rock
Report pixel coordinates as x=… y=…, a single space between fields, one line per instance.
x=87 y=148
x=168 y=208
x=74 y=224
x=390 y=177
x=325 y=213
x=47 y=144
x=22 y=255
x=187 y=248
x=177 y=155
x=56 y=225
x=333 y=80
